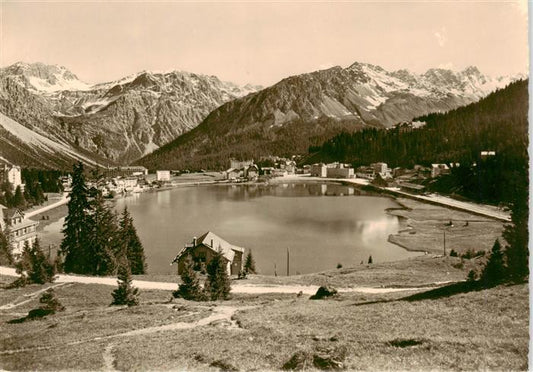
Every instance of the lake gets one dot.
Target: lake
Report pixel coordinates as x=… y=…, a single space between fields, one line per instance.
x=321 y=225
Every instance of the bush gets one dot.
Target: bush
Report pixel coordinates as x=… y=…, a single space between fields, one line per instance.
x=453 y=253
x=50 y=305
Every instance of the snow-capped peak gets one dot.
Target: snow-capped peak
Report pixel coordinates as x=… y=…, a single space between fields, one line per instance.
x=45 y=78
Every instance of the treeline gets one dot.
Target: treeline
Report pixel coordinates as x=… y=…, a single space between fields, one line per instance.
x=497 y=123
x=96 y=241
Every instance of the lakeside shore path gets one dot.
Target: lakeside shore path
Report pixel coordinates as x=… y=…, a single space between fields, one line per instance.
x=445 y=201
x=235 y=287
x=64 y=200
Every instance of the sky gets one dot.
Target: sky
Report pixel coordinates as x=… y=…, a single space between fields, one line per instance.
x=263 y=42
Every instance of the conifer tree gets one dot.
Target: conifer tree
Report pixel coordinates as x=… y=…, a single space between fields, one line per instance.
x=6 y=257
x=18 y=199
x=126 y=293
x=189 y=288
x=249 y=264
x=34 y=266
x=494 y=271
x=103 y=243
x=517 y=233
x=218 y=284
x=76 y=226
x=132 y=245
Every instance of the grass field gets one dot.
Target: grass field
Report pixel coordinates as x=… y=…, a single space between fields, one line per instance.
x=481 y=330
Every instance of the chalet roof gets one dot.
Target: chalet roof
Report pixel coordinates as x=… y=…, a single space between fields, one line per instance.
x=216 y=243
x=14 y=212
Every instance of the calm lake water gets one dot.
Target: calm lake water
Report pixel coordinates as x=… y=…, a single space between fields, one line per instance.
x=321 y=225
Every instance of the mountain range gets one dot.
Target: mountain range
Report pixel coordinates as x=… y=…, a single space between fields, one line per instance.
x=305 y=110
x=49 y=117
x=116 y=122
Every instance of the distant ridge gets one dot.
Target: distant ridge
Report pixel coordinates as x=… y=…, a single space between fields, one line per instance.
x=305 y=110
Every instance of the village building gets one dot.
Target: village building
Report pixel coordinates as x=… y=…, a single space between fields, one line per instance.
x=162 y=175
x=319 y=170
x=21 y=230
x=439 y=169
x=339 y=170
x=251 y=172
x=238 y=164
x=233 y=174
x=13 y=175
x=203 y=249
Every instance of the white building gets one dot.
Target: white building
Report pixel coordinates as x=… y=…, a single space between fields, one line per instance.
x=319 y=170
x=13 y=175
x=163 y=175
x=338 y=170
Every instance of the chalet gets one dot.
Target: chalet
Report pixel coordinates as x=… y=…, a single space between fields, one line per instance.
x=251 y=172
x=21 y=230
x=233 y=174
x=203 y=249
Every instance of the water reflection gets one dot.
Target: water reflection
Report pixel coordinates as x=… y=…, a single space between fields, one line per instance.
x=321 y=224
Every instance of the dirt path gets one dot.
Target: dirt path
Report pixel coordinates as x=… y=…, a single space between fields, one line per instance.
x=221 y=314
x=235 y=288
x=29 y=297
x=109 y=359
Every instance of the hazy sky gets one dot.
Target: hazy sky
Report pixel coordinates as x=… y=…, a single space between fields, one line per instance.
x=263 y=42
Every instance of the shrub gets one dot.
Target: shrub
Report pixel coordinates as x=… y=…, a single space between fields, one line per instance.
x=453 y=253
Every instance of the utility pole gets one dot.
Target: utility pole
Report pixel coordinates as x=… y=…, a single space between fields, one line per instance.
x=288 y=258
x=444 y=231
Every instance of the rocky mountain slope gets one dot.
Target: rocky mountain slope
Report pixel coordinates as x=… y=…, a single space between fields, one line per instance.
x=303 y=110
x=121 y=120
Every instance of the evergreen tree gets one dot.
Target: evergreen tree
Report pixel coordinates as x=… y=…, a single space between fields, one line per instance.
x=33 y=266
x=76 y=227
x=370 y=259
x=125 y=294
x=132 y=245
x=18 y=200
x=6 y=257
x=249 y=264
x=103 y=243
x=218 y=284
x=41 y=269
x=494 y=271
x=190 y=288
x=517 y=234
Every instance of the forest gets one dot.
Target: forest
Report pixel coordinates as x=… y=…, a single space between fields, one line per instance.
x=496 y=123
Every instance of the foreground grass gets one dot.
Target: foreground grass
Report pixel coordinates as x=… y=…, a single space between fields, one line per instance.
x=482 y=330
